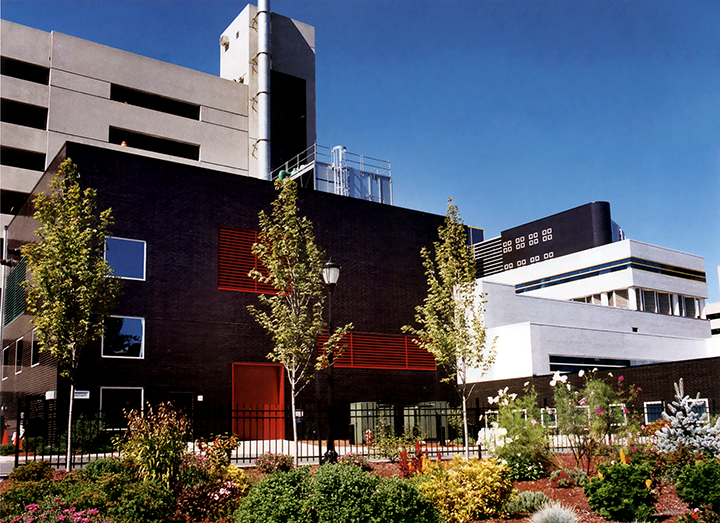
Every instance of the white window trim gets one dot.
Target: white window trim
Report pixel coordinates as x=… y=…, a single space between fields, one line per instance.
x=706 y=403
x=142 y=342
x=623 y=411
x=32 y=344
x=142 y=402
x=645 y=410
x=20 y=339
x=552 y=423
x=144 y=256
x=4 y=367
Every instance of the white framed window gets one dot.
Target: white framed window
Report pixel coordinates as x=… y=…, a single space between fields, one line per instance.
x=653 y=411
x=5 y=362
x=34 y=350
x=126 y=257
x=19 y=350
x=548 y=417
x=124 y=338
x=618 y=414
x=491 y=416
x=701 y=407
x=114 y=401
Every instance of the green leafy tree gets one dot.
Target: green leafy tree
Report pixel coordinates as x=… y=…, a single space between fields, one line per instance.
x=294 y=315
x=71 y=289
x=451 y=317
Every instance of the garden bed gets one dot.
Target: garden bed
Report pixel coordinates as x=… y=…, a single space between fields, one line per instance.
x=667 y=508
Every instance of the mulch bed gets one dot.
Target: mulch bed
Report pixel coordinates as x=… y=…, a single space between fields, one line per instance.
x=667 y=508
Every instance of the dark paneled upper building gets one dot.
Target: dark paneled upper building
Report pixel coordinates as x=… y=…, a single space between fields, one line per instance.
x=182 y=331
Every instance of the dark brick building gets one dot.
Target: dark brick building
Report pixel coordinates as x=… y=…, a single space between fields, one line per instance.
x=184 y=234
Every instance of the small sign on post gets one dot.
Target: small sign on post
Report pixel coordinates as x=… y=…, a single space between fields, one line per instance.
x=82 y=395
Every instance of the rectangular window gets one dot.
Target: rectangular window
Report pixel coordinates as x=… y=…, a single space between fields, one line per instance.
x=649 y=303
x=618 y=414
x=115 y=400
x=11 y=201
x=154 y=144
x=701 y=406
x=19 y=346
x=155 y=102
x=126 y=257
x=236 y=260
x=22 y=159
x=381 y=351
x=5 y=362
x=25 y=71
x=653 y=411
x=15 y=293
x=548 y=417
x=124 y=338
x=19 y=113
x=664 y=303
x=34 y=351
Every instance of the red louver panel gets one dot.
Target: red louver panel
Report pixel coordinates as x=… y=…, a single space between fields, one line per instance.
x=236 y=260
x=381 y=351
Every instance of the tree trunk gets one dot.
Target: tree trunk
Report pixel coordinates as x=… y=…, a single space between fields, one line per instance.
x=294 y=424
x=68 y=453
x=465 y=426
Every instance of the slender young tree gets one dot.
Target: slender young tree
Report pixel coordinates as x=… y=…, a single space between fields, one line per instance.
x=294 y=315
x=71 y=289
x=451 y=316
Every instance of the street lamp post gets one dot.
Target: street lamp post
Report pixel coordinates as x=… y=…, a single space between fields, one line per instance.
x=331 y=273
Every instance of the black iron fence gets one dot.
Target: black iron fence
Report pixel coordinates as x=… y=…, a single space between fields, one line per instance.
x=373 y=430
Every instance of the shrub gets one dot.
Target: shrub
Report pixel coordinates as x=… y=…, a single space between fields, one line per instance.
x=699 y=484
x=673 y=463
x=55 y=510
x=526 y=448
x=526 y=502
x=356 y=460
x=566 y=478
x=16 y=495
x=555 y=512
x=278 y=498
x=155 y=441
x=7 y=449
x=687 y=427
x=700 y=515
x=99 y=467
x=399 y=501
x=342 y=493
x=32 y=471
x=463 y=491
x=269 y=463
x=209 y=502
x=621 y=492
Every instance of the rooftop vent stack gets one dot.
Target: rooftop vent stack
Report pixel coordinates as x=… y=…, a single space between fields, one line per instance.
x=340 y=170
x=264 y=63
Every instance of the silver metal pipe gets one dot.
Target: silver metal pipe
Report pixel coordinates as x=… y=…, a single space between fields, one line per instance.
x=263 y=96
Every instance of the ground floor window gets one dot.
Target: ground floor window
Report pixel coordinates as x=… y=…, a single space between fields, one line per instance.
x=115 y=400
x=653 y=411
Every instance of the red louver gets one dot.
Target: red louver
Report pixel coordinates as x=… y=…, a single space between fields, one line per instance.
x=381 y=351
x=236 y=260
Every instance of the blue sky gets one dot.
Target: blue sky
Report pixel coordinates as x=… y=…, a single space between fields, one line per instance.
x=516 y=108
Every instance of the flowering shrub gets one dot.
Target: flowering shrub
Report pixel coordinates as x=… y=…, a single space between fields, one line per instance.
x=55 y=510
x=210 y=502
x=466 y=490
x=356 y=460
x=526 y=448
x=700 y=515
x=270 y=462
x=591 y=415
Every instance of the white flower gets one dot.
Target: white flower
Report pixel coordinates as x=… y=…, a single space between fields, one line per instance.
x=553 y=383
x=610 y=374
x=581 y=373
x=595 y=369
x=526 y=384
